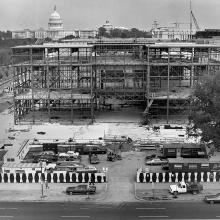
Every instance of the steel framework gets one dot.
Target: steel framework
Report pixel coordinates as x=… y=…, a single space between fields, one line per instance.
x=66 y=81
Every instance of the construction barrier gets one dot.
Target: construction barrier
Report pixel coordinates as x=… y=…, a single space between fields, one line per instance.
x=54 y=177
x=146 y=177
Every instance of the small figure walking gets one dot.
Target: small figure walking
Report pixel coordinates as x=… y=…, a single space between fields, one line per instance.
x=46 y=184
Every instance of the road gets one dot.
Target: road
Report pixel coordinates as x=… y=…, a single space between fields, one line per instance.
x=101 y=211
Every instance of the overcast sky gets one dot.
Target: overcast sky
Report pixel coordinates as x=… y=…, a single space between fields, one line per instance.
x=85 y=14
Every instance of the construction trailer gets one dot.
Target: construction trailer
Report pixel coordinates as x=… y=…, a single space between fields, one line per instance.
x=69 y=82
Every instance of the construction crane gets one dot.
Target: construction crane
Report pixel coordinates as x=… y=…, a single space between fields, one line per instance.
x=192 y=17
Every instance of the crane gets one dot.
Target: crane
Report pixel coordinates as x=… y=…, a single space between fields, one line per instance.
x=192 y=17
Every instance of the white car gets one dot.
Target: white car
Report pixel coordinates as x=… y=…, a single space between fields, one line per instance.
x=73 y=154
x=156 y=161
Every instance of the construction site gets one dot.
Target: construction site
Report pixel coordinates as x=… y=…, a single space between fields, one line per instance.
x=77 y=82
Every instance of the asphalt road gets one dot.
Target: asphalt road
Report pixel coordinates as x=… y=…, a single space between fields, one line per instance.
x=95 y=211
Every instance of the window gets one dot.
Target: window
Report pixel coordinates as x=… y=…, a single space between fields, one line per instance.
x=204 y=165
x=171 y=150
x=178 y=166
x=193 y=166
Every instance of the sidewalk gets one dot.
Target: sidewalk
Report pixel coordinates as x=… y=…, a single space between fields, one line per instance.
x=56 y=192
x=145 y=192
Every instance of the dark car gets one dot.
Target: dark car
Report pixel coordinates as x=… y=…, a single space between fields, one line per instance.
x=212 y=198
x=93 y=158
x=81 y=189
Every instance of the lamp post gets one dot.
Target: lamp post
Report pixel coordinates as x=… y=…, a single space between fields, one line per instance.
x=105 y=170
x=41 y=180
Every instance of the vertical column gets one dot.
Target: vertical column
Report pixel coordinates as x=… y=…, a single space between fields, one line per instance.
x=168 y=85
x=32 y=85
x=144 y=177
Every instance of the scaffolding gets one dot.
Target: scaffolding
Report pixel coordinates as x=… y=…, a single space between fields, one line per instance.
x=70 y=82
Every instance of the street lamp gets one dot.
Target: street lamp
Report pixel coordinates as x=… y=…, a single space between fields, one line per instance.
x=105 y=170
x=41 y=180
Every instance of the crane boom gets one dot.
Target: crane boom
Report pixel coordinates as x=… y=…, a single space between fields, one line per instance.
x=195 y=21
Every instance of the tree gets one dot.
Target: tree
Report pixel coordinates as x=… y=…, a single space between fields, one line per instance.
x=205 y=114
x=101 y=32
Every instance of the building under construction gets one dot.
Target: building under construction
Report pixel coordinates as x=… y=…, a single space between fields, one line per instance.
x=68 y=81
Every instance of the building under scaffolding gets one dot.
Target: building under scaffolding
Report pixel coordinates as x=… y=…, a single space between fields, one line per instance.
x=67 y=81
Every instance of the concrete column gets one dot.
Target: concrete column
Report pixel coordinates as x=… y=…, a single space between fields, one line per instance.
x=189 y=179
x=163 y=177
x=77 y=179
x=151 y=174
x=196 y=176
x=144 y=178
x=176 y=179
x=208 y=174
x=214 y=173
x=51 y=177
x=33 y=174
x=8 y=174
x=202 y=174
x=183 y=174
x=170 y=180
x=157 y=177
x=89 y=177
x=83 y=177
x=64 y=177
x=21 y=177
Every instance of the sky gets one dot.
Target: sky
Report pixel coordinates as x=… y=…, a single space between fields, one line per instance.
x=91 y=14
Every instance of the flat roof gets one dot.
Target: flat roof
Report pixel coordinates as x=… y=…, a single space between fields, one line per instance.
x=151 y=45
x=181 y=145
x=55 y=45
x=187 y=160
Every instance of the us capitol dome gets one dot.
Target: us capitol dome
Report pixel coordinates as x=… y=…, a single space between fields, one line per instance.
x=55 y=21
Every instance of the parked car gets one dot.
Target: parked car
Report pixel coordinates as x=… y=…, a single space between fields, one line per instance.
x=156 y=161
x=212 y=198
x=81 y=189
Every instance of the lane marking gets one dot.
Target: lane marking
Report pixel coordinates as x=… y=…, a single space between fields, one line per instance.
x=6 y=216
x=75 y=216
x=84 y=208
x=153 y=216
x=150 y=208
x=8 y=208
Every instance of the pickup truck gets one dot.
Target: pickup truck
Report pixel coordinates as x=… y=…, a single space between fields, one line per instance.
x=183 y=187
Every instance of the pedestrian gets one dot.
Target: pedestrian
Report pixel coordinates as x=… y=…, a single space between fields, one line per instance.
x=46 y=184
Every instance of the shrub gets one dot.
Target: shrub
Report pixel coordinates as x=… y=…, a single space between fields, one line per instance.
x=192 y=177
x=86 y=177
x=12 y=178
x=24 y=177
x=18 y=179
x=147 y=177
x=154 y=177
x=5 y=177
x=36 y=178
x=80 y=177
x=67 y=177
x=205 y=177
x=92 y=178
x=74 y=177
x=179 y=177
x=30 y=177
x=198 y=176
x=49 y=178
x=160 y=177
x=55 y=177
x=99 y=179
x=141 y=177
x=61 y=178
x=186 y=177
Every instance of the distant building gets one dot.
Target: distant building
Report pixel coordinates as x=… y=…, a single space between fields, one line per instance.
x=26 y=33
x=108 y=27
x=86 y=33
x=55 y=30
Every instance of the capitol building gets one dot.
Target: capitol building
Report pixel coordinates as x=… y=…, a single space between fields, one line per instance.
x=55 y=30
